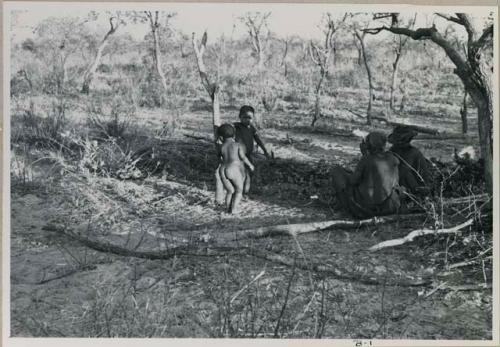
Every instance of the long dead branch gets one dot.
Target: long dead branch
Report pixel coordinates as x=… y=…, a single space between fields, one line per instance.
x=204 y=250
x=476 y=259
x=418 y=233
x=304 y=228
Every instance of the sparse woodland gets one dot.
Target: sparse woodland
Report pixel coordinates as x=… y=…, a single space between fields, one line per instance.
x=114 y=229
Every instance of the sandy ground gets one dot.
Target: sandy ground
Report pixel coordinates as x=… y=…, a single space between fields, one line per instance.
x=61 y=288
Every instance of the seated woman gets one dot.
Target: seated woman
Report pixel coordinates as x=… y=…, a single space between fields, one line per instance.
x=414 y=169
x=372 y=190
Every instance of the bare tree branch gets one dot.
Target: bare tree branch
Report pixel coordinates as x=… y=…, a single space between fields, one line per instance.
x=450 y=18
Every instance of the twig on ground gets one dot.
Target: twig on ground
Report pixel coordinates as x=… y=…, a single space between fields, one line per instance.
x=247 y=285
x=418 y=233
x=471 y=261
x=442 y=285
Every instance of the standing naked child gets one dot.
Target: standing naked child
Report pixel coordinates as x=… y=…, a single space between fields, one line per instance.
x=231 y=172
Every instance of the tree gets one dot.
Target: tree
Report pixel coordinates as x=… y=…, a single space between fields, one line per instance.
x=154 y=23
x=114 y=22
x=212 y=88
x=398 y=50
x=59 y=39
x=360 y=36
x=360 y=21
x=320 y=55
x=463 y=114
x=255 y=21
x=284 y=59
x=472 y=67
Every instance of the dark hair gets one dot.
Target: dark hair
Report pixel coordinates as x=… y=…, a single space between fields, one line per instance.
x=245 y=108
x=402 y=135
x=226 y=131
x=375 y=142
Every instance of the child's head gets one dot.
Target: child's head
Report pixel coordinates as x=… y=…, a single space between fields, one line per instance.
x=375 y=142
x=226 y=131
x=402 y=135
x=246 y=114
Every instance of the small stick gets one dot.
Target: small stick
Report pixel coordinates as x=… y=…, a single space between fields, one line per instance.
x=417 y=233
x=247 y=285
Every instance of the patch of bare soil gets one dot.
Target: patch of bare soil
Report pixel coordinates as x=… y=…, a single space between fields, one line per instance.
x=62 y=288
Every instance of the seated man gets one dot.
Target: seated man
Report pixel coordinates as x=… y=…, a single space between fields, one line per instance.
x=414 y=169
x=231 y=172
x=372 y=190
x=246 y=133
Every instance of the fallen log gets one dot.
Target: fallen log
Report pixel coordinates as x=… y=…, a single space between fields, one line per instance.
x=199 y=138
x=208 y=249
x=303 y=228
x=418 y=233
x=418 y=128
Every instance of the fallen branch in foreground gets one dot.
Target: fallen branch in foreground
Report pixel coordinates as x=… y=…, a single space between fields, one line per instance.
x=204 y=250
x=463 y=288
x=469 y=262
x=472 y=261
x=417 y=233
x=303 y=228
x=467 y=199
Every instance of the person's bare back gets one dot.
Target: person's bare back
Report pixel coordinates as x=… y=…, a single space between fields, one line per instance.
x=231 y=173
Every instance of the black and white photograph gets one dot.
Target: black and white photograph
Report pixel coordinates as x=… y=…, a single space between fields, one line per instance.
x=250 y=170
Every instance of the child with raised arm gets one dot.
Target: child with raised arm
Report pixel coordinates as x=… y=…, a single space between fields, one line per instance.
x=231 y=173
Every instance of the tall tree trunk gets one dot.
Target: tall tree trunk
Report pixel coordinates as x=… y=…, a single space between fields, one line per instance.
x=395 y=69
x=284 y=59
x=477 y=85
x=370 y=82
x=317 y=105
x=157 y=60
x=212 y=89
x=216 y=110
x=260 y=62
x=485 y=127
x=463 y=114
x=90 y=72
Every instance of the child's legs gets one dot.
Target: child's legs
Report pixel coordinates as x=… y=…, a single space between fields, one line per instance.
x=219 y=187
x=236 y=174
x=227 y=185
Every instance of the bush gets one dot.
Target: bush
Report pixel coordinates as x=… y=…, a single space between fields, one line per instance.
x=112 y=118
x=19 y=85
x=43 y=131
x=150 y=91
x=107 y=158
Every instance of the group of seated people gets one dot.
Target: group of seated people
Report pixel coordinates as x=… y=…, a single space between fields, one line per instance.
x=383 y=179
x=378 y=186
